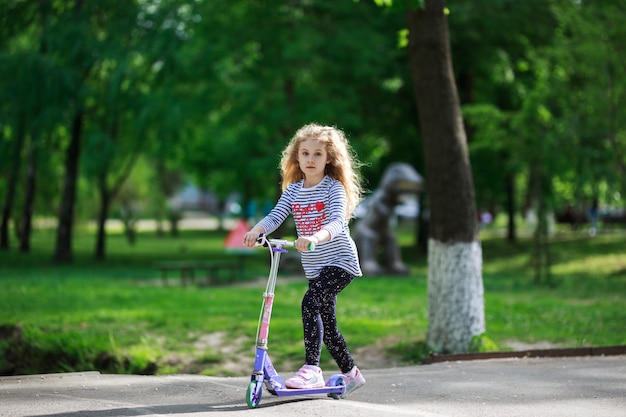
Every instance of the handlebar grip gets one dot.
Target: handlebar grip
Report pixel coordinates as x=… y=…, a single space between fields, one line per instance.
x=311 y=247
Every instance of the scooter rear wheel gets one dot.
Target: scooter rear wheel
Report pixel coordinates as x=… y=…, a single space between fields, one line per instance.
x=337 y=381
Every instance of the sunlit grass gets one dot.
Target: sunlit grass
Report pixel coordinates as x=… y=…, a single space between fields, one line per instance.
x=599 y=264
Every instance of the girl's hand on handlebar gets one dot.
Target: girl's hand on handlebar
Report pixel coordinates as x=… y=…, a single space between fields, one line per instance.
x=250 y=238
x=306 y=243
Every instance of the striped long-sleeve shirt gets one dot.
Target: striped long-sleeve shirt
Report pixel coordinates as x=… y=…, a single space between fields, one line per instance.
x=320 y=207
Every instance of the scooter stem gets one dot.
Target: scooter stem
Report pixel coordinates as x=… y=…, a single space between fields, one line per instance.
x=264 y=328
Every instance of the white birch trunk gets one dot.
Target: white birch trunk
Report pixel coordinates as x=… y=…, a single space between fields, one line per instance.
x=455 y=295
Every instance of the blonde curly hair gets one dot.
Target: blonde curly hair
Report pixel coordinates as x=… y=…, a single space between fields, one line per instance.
x=342 y=166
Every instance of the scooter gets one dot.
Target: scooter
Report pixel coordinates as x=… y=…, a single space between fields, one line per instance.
x=264 y=373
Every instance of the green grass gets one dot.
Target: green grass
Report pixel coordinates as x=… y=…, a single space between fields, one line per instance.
x=116 y=316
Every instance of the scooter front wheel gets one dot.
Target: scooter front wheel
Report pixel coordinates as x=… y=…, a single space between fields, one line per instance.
x=253 y=395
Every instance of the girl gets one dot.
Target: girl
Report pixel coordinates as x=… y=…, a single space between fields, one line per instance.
x=321 y=188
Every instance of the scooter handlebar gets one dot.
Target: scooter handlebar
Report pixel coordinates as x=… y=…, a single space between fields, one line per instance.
x=262 y=241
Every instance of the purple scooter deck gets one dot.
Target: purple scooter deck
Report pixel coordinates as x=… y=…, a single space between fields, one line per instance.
x=286 y=392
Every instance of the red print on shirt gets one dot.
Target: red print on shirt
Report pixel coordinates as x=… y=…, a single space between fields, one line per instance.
x=307 y=221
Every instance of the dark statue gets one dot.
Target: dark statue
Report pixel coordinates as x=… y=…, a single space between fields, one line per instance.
x=373 y=233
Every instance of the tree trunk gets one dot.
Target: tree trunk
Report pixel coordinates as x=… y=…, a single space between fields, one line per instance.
x=511 y=233
x=422 y=225
x=455 y=290
x=29 y=198
x=12 y=185
x=63 y=250
x=541 y=237
x=103 y=215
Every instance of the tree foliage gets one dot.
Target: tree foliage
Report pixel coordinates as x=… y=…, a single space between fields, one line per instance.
x=209 y=92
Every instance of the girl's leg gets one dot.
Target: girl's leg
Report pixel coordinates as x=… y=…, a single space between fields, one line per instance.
x=320 y=321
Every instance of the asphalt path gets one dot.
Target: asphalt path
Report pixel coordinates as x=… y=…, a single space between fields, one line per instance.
x=590 y=386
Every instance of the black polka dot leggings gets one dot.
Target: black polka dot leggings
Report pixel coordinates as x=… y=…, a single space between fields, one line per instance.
x=319 y=318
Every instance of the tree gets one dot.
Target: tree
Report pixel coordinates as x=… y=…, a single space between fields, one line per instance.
x=124 y=87
x=455 y=289
x=553 y=80
x=488 y=63
x=543 y=86
x=589 y=54
x=75 y=44
x=34 y=98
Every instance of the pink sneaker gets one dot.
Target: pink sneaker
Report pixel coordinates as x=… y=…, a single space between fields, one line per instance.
x=355 y=380
x=309 y=376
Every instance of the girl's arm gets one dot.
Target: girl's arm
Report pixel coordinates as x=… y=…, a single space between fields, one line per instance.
x=273 y=219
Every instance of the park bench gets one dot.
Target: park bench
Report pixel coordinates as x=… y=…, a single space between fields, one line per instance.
x=209 y=273
x=213 y=272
